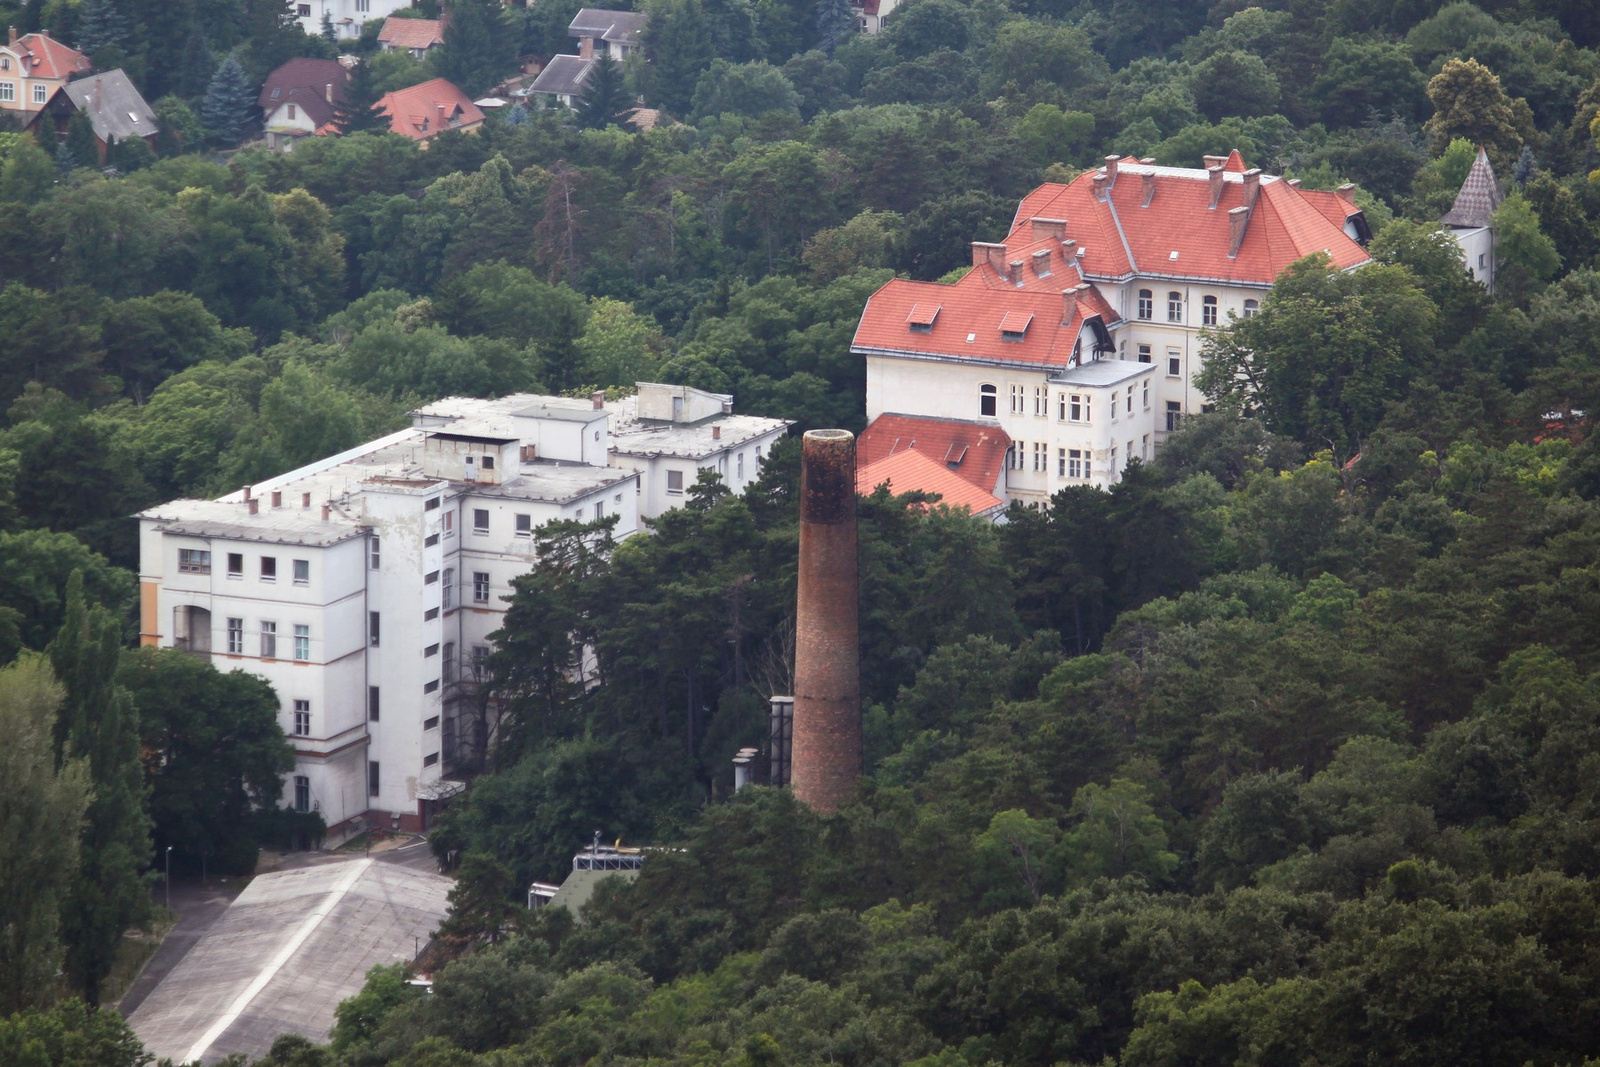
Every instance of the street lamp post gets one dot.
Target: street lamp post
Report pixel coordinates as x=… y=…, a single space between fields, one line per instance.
x=169 y=877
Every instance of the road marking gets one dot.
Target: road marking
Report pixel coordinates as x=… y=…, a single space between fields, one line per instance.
x=312 y=921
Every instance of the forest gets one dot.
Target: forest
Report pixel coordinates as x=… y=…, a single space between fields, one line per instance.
x=1280 y=751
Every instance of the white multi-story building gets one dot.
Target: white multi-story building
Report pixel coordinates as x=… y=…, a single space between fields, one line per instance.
x=365 y=586
x=347 y=16
x=1073 y=345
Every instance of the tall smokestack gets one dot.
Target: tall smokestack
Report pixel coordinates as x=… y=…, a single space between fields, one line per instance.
x=826 y=755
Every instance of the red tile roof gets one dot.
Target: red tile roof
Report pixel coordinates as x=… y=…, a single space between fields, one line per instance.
x=431 y=108
x=411 y=33
x=1335 y=208
x=47 y=57
x=909 y=471
x=973 y=451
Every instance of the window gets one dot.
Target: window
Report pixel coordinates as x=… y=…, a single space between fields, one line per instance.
x=1174 y=415
x=236 y=637
x=480 y=587
x=1113 y=405
x=431 y=504
x=449 y=665
x=1147 y=393
x=430 y=652
x=1174 y=366
x=302 y=642
x=1041 y=400
x=1074 y=465
x=524 y=525
x=8 y=92
x=448 y=593
x=988 y=400
x=430 y=614
x=430 y=578
x=1130 y=400
x=430 y=540
x=235 y=564
x=430 y=759
x=373 y=553
x=194 y=561
x=374 y=628
x=1174 y=306
x=374 y=705
x=1041 y=456
x=674 y=483
x=1144 y=353
x=269 y=640
x=38 y=94
x=302 y=718
x=269 y=568
x=302 y=572
x=449 y=524
x=1147 y=304
x=431 y=722
x=1483 y=260
x=738 y=467
x=1144 y=447
x=480 y=520
x=1251 y=307
x=1061 y=463
x=291 y=112
x=304 y=11
x=302 y=793
x=431 y=687
x=599 y=510
x=1019 y=399
x=1208 y=311
x=372 y=777
x=480 y=659
x=488 y=463
x=1019 y=455
x=5 y=62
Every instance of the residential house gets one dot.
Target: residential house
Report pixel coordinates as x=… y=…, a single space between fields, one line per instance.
x=1470 y=220
x=32 y=68
x=872 y=14
x=427 y=110
x=1075 y=341
x=365 y=586
x=416 y=36
x=116 y=110
x=348 y=16
x=618 y=34
x=301 y=99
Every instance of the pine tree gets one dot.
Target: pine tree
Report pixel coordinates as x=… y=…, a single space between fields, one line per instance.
x=604 y=96
x=81 y=141
x=101 y=26
x=354 y=113
x=836 y=23
x=229 y=110
x=328 y=33
x=64 y=159
x=99 y=725
x=1525 y=167
x=517 y=114
x=478 y=47
x=197 y=67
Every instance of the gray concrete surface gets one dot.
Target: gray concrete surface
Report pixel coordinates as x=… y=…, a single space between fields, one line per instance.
x=285 y=952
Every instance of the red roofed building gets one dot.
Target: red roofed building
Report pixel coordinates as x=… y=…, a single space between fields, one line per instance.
x=416 y=36
x=871 y=14
x=426 y=110
x=32 y=68
x=1077 y=336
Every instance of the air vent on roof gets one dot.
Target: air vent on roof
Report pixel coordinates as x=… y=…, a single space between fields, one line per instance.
x=922 y=317
x=1014 y=325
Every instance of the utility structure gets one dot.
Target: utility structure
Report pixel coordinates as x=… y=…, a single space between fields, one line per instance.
x=826 y=753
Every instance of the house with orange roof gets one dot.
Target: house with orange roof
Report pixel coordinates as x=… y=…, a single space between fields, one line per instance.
x=424 y=111
x=1078 y=336
x=416 y=36
x=32 y=68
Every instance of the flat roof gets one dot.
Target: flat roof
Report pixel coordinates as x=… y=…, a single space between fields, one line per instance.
x=1102 y=372
x=633 y=436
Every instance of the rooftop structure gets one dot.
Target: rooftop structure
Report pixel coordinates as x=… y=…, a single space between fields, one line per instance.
x=1470 y=220
x=617 y=34
x=33 y=67
x=429 y=109
x=1077 y=337
x=416 y=36
x=115 y=109
x=302 y=99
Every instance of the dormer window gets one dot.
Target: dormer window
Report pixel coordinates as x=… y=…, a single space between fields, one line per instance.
x=1014 y=326
x=5 y=62
x=922 y=317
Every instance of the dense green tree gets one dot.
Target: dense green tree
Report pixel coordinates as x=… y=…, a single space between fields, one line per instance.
x=1469 y=103
x=478 y=47
x=229 y=110
x=354 y=112
x=604 y=97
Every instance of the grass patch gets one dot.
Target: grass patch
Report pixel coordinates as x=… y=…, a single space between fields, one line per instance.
x=134 y=952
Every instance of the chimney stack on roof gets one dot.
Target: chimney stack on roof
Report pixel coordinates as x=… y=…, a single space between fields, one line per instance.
x=326 y=511
x=1293 y=183
x=1347 y=192
x=716 y=433
x=13 y=31
x=1111 y=171
x=1252 y=186
x=1014 y=272
x=1238 y=219
x=1069 y=303
x=327 y=91
x=1041 y=262
x=1149 y=182
x=247 y=492
x=598 y=400
x=1056 y=228
x=992 y=254
x=277 y=498
x=305 y=500
x=1100 y=186
x=1214 y=161
x=826 y=751
x=1214 y=171
x=255 y=507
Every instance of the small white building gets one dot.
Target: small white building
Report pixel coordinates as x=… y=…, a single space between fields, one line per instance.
x=365 y=586
x=1470 y=219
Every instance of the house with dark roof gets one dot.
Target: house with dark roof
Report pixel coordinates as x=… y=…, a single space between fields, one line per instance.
x=1076 y=340
x=1470 y=219
x=301 y=99
x=116 y=111
x=416 y=36
x=618 y=34
x=32 y=68
x=424 y=111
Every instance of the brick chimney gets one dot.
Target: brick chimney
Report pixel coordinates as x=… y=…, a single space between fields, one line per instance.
x=1293 y=183
x=305 y=500
x=826 y=751
x=1069 y=304
x=1252 y=186
x=716 y=433
x=1148 y=181
x=327 y=91
x=1041 y=261
x=1347 y=192
x=1014 y=272
x=598 y=400
x=1099 y=182
x=1214 y=172
x=1238 y=219
x=1214 y=161
x=13 y=33
x=992 y=254
x=1056 y=228
x=277 y=498
x=1111 y=171
x=255 y=507
x=586 y=47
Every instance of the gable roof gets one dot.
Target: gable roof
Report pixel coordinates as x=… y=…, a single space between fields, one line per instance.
x=412 y=33
x=910 y=470
x=562 y=76
x=45 y=57
x=1479 y=196
x=114 y=106
x=622 y=27
x=308 y=83
x=421 y=111
x=1131 y=218
x=972 y=451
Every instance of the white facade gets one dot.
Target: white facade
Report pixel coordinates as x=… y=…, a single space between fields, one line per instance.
x=365 y=586
x=348 y=15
